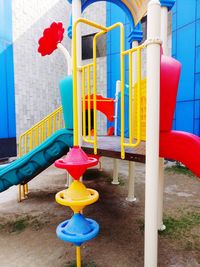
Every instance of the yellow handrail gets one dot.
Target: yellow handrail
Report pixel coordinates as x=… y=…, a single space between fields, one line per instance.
x=40 y=131
x=86 y=76
x=134 y=110
x=134 y=114
x=75 y=69
x=88 y=68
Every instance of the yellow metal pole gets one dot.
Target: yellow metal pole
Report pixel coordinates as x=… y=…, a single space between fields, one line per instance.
x=130 y=99
x=26 y=189
x=95 y=87
x=75 y=108
x=19 y=193
x=37 y=136
x=54 y=123
x=59 y=120
x=89 y=103
x=122 y=88
x=138 y=107
x=26 y=144
x=139 y=94
x=75 y=68
x=83 y=96
x=78 y=256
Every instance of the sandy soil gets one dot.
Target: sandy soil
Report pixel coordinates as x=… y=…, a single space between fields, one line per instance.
x=27 y=229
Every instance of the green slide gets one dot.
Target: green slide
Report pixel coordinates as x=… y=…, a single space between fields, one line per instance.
x=27 y=167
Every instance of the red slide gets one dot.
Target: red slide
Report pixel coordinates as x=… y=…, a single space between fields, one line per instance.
x=181 y=146
x=176 y=145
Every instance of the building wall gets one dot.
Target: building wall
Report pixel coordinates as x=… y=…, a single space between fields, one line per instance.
x=97 y=13
x=37 y=78
x=186 y=48
x=7 y=99
x=116 y=14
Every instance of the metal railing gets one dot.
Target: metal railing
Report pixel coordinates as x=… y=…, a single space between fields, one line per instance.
x=134 y=103
x=89 y=70
x=86 y=70
x=37 y=134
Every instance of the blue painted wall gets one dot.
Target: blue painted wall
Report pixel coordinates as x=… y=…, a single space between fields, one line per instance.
x=115 y=14
x=7 y=99
x=186 y=48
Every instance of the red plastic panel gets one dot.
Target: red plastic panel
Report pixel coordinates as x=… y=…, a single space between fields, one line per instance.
x=181 y=146
x=169 y=79
x=105 y=105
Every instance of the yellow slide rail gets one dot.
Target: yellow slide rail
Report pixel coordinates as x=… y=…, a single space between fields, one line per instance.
x=35 y=136
x=40 y=131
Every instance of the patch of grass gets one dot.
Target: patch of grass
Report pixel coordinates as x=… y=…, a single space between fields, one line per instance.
x=21 y=223
x=83 y=264
x=179 y=169
x=18 y=225
x=177 y=227
x=181 y=229
x=37 y=224
x=122 y=182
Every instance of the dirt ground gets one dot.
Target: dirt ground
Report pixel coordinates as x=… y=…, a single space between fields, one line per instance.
x=27 y=229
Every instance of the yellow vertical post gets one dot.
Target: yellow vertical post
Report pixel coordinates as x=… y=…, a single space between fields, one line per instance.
x=95 y=89
x=26 y=144
x=78 y=256
x=26 y=189
x=139 y=94
x=130 y=99
x=31 y=141
x=59 y=120
x=122 y=88
x=75 y=97
x=75 y=68
x=49 y=128
x=37 y=136
x=83 y=96
x=89 y=102
x=54 y=123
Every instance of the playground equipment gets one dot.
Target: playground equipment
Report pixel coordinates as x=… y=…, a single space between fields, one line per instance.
x=31 y=164
x=151 y=108
x=78 y=229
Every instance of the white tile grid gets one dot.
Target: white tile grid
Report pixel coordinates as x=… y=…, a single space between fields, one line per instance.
x=37 y=78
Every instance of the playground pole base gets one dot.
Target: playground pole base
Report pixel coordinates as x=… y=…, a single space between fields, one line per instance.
x=131 y=199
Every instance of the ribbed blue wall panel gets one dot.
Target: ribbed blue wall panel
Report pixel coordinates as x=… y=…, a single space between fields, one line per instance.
x=186 y=48
x=7 y=99
x=115 y=14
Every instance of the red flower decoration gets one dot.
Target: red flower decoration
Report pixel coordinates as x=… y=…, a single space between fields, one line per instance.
x=50 y=39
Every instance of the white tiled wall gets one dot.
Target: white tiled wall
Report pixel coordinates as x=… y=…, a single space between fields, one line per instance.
x=37 y=78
